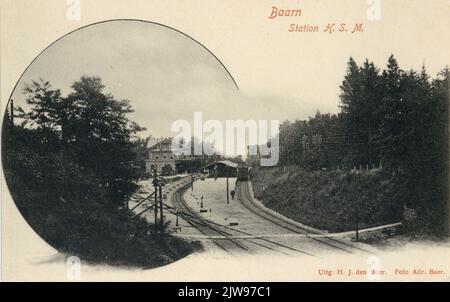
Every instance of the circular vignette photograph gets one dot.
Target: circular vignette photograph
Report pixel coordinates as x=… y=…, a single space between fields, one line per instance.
x=78 y=129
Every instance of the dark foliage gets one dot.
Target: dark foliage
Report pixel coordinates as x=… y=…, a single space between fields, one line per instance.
x=331 y=200
x=392 y=119
x=69 y=168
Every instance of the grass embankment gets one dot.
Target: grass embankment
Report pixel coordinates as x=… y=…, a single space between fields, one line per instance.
x=96 y=233
x=67 y=206
x=330 y=200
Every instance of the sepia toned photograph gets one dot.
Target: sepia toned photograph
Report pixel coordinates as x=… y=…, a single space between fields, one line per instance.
x=131 y=146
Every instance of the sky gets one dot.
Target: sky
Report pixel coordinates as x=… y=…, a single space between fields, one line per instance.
x=168 y=76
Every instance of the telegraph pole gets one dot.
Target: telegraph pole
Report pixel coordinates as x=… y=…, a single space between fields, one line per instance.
x=155 y=207
x=192 y=177
x=12 y=112
x=161 y=218
x=356 y=211
x=228 y=194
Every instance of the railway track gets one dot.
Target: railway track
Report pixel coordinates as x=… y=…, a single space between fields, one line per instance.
x=244 y=196
x=142 y=202
x=227 y=244
x=224 y=236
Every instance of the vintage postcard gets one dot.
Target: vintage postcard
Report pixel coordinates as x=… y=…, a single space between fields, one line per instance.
x=292 y=140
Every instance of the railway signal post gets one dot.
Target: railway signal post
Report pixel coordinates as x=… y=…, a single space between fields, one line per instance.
x=12 y=111
x=228 y=187
x=356 y=218
x=155 y=206
x=161 y=215
x=354 y=175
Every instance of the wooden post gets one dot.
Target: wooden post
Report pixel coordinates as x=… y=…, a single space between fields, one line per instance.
x=12 y=112
x=155 y=207
x=228 y=195
x=356 y=210
x=161 y=215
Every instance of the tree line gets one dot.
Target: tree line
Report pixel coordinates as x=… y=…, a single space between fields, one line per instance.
x=71 y=164
x=389 y=119
x=88 y=127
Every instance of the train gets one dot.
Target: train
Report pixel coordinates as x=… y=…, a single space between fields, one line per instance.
x=243 y=172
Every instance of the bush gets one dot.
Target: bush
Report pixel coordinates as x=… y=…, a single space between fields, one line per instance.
x=69 y=208
x=331 y=200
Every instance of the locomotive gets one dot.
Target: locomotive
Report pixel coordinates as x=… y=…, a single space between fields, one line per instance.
x=243 y=172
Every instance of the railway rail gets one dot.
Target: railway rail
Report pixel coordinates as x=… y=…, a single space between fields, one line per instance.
x=244 y=196
x=225 y=237
x=229 y=245
x=233 y=240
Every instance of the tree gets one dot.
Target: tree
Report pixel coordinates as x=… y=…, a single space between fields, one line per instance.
x=92 y=127
x=391 y=112
x=46 y=105
x=360 y=95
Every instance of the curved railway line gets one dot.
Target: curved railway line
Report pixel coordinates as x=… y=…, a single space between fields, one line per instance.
x=225 y=237
x=235 y=241
x=244 y=196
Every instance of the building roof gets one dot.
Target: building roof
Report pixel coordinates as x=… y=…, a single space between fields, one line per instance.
x=153 y=143
x=228 y=163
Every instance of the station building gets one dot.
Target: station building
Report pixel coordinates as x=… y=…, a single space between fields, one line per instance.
x=165 y=162
x=160 y=156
